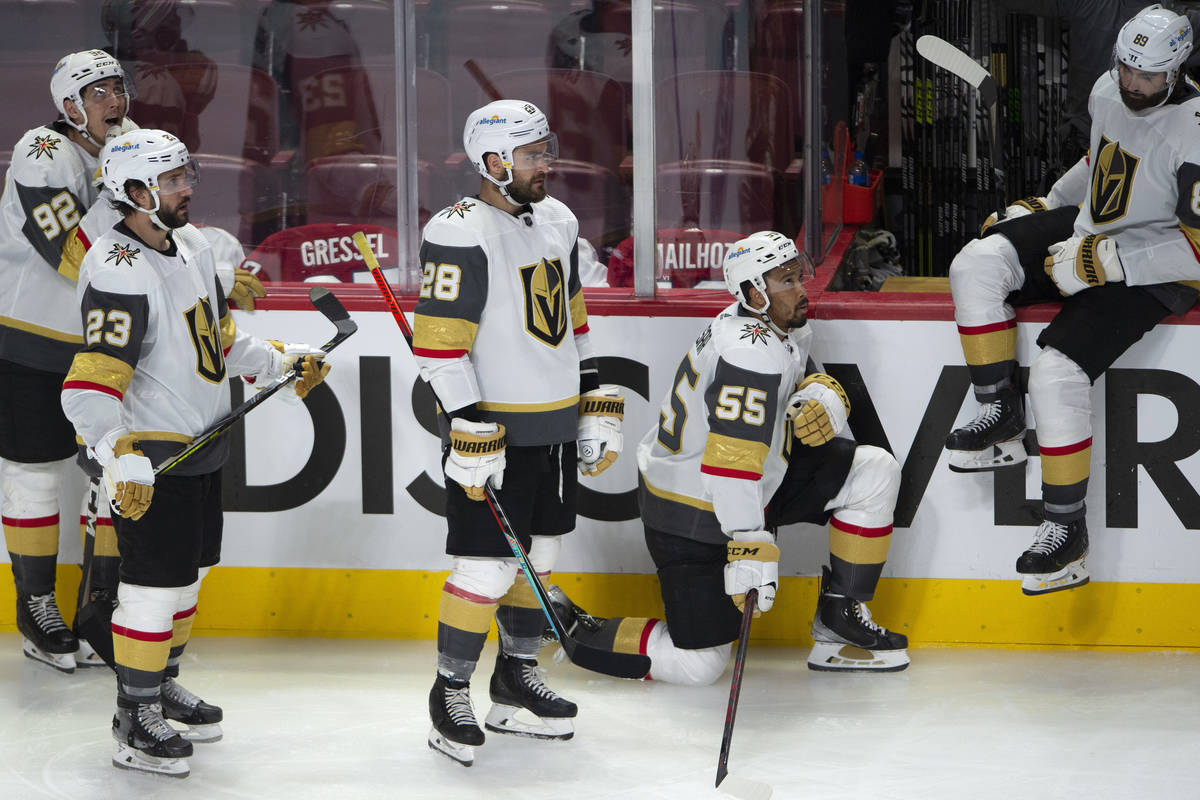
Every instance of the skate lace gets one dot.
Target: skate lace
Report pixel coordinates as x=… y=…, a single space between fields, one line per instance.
x=151 y=719
x=179 y=695
x=864 y=616
x=533 y=681
x=458 y=706
x=988 y=416
x=1049 y=536
x=45 y=613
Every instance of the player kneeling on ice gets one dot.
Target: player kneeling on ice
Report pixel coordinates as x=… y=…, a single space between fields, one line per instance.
x=751 y=423
x=159 y=348
x=1113 y=240
x=501 y=334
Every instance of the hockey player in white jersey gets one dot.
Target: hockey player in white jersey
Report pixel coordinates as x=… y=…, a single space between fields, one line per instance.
x=1118 y=241
x=47 y=189
x=752 y=437
x=159 y=348
x=501 y=334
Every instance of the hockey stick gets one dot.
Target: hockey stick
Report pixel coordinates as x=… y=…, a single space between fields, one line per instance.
x=488 y=87
x=945 y=55
x=606 y=662
x=92 y=623
x=732 y=785
x=335 y=312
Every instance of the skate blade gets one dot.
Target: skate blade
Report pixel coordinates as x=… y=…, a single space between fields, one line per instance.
x=518 y=721
x=1003 y=454
x=1070 y=576
x=838 y=657
x=87 y=656
x=63 y=662
x=198 y=734
x=126 y=757
x=461 y=753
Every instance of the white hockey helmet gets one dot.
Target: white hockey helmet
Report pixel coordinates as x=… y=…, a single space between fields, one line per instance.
x=76 y=71
x=144 y=155
x=751 y=258
x=1154 y=40
x=501 y=127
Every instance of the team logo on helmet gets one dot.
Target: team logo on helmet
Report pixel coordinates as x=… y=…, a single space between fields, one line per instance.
x=44 y=146
x=1112 y=182
x=123 y=253
x=741 y=251
x=754 y=331
x=529 y=109
x=545 y=300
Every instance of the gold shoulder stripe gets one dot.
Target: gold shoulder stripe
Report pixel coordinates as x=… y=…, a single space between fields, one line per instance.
x=101 y=369
x=579 y=316
x=73 y=251
x=728 y=452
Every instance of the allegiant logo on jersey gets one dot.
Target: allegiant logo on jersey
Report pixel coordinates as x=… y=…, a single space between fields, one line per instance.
x=338 y=250
x=121 y=148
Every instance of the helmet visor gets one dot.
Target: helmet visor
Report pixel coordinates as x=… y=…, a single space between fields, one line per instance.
x=102 y=90
x=180 y=178
x=541 y=153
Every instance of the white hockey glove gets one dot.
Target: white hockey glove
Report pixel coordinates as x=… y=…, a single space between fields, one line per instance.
x=1021 y=208
x=476 y=456
x=128 y=474
x=1083 y=262
x=308 y=361
x=246 y=287
x=599 y=437
x=753 y=564
x=818 y=410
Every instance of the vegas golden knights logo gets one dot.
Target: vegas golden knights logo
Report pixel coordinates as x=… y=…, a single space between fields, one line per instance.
x=206 y=338
x=1112 y=182
x=545 y=300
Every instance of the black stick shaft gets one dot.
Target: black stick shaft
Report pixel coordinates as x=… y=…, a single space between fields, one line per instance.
x=735 y=686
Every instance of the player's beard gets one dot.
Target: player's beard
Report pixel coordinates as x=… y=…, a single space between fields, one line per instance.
x=527 y=192
x=1140 y=102
x=176 y=217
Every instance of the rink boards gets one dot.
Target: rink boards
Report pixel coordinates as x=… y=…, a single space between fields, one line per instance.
x=333 y=528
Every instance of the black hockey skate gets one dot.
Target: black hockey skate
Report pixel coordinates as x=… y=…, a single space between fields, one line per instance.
x=846 y=639
x=144 y=741
x=994 y=439
x=517 y=686
x=202 y=719
x=47 y=637
x=1055 y=559
x=455 y=732
x=574 y=618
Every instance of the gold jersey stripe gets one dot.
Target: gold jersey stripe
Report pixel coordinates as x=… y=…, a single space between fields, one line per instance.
x=143 y=654
x=228 y=331
x=39 y=541
x=1066 y=470
x=629 y=635
x=38 y=330
x=102 y=369
x=73 y=251
x=728 y=452
x=461 y=613
x=578 y=310
x=989 y=348
x=527 y=408
x=675 y=497
x=520 y=594
x=443 y=333
x=858 y=549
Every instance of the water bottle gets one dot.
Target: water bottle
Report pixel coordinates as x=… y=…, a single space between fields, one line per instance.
x=860 y=173
x=826 y=167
